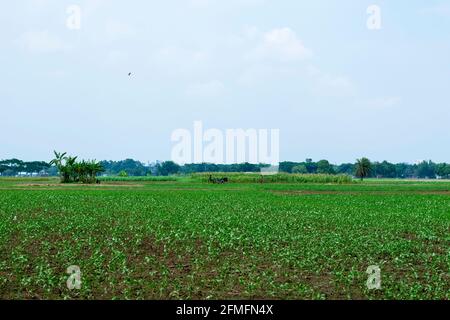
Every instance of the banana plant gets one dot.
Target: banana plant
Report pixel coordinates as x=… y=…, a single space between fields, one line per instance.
x=72 y=171
x=58 y=162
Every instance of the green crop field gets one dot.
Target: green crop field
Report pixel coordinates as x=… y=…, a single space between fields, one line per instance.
x=186 y=239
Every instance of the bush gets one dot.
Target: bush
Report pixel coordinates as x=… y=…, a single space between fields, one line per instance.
x=142 y=178
x=123 y=174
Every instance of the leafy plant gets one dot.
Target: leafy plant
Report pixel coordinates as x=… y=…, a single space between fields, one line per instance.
x=123 y=174
x=71 y=171
x=276 y=178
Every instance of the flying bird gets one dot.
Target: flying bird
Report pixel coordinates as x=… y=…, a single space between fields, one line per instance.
x=129 y=74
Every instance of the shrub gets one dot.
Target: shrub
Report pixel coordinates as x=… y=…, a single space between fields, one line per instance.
x=123 y=174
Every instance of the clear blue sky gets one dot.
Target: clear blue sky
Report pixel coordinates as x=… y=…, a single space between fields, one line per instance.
x=312 y=69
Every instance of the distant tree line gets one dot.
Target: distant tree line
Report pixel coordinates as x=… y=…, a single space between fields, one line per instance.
x=14 y=167
x=130 y=167
x=422 y=170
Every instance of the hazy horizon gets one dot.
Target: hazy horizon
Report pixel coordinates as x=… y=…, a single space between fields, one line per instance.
x=146 y=162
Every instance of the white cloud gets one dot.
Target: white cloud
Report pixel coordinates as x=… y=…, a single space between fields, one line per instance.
x=279 y=44
x=41 y=42
x=276 y=54
x=279 y=55
x=206 y=90
x=330 y=85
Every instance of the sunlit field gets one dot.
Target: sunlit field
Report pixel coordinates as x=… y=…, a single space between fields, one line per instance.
x=188 y=239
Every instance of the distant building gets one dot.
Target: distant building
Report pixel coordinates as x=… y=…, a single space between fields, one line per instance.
x=27 y=174
x=43 y=173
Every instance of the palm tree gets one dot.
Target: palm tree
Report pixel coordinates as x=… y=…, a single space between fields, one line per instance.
x=94 y=169
x=91 y=169
x=69 y=169
x=59 y=157
x=58 y=162
x=79 y=171
x=72 y=171
x=363 y=168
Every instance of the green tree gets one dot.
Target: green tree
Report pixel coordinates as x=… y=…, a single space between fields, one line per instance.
x=93 y=168
x=426 y=169
x=443 y=170
x=346 y=168
x=58 y=162
x=324 y=167
x=72 y=171
x=69 y=169
x=167 y=168
x=363 y=168
x=123 y=174
x=301 y=168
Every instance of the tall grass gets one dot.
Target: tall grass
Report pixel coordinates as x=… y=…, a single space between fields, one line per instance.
x=236 y=177
x=277 y=178
x=141 y=178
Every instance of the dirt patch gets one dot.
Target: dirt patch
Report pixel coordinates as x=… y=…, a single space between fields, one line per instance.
x=60 y=185
x=408 y=236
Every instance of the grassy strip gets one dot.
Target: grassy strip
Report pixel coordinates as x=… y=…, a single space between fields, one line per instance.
x=277 y=178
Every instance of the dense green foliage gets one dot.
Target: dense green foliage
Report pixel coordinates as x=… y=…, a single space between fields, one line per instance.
x=128 y=166
x=385 y=169
x=363 y=168
x=422 y=170
x=176 y=240
x=13 y=167
x=72 y=171
x=140 y=178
